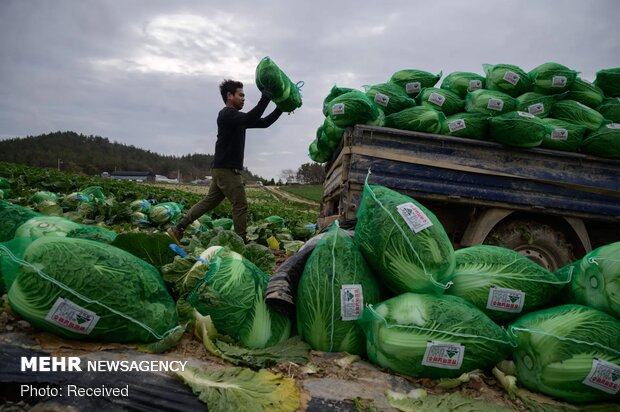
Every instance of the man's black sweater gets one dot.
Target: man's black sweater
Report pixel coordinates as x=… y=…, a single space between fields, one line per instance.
x=231 y=125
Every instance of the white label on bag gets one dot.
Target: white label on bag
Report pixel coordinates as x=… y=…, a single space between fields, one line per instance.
x=495 y=104
x=474 y=85
x=536 y=108
x=338 y=108
x=437 y=99
x=458 y=124
x=613 y=126
x=382 y=99
x=443 y=355
x=351 y=302
x=604 y=376
x=559 y=81
x=525 y=114
x=506 y=300
x=413 y=87
x=71 y=316
x=559 y=134
x=512 y=77
x=414 y=217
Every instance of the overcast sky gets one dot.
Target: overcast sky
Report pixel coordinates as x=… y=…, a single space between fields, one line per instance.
x=146 y=72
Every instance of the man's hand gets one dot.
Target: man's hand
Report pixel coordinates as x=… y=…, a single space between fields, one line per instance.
x=267 y=93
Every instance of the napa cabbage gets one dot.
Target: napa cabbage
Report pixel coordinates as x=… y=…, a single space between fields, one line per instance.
x=352 y=108
x=403 y=242
x=165 y=212
x=232 y=293
x=491 y=102
x=549 y=78
x=604 y=142
x=419 y=119
x=81 y=289
x=519 y=129
x=46 y=226
x=586 y=93
x=443 y=100
x=610 y=109
x=609 y=81
x=501 y=282
x=562 y=135
x=558 y=348
x=414 y=80
x=463 y=82
x=472 y=125
x=335 y=285
x=12 y=217
x=596 y=279
x=575 y=112
x=390 y=97
x=269 y=76
x=507 y=78
x=404 y=331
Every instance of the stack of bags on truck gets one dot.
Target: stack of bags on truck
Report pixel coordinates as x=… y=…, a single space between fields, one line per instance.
x=399 y=293
x=549 y=107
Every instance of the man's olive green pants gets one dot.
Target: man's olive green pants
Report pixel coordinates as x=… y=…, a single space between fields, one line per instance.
x=226 y=183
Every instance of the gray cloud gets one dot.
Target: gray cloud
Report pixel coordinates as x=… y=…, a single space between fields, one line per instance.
x=146 y=72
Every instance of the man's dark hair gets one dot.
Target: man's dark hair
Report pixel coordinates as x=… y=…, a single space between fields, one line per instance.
x=229 y=86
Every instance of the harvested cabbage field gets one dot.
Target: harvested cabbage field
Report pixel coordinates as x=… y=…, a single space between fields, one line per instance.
x=388 y=317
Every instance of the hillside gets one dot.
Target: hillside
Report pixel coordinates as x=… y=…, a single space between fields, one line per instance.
x=93 y=155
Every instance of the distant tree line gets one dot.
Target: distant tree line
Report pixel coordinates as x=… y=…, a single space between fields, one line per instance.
x=93 y=155
x=308 y=173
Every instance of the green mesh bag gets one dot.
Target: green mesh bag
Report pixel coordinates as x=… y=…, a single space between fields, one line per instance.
x=538 y=104
x=518 y=129
x=335 y=286
x=604 y=142
x=551 y=78
x=491 y=102
x=577 y=113
x=165 y=212
x=440 y=99
x=560 y=350
x=471 y=125
x=316 y=155
x=502 y=283
x=390 y=97
x=403 y=242
x=11 y=217
x=269 y=76
x=94 y=193
x=507 y=78
x=232 y=293
x=562 y=135
x=463 y=82
x=414 y=80
x=609 y=81
x=333 y=93
x=584 y=92
x=43 y=196
x=419 y=119
x=610 y=109
x=324 y=144
x=80 y=289
x=433 y=337
x=333 y=132
x=596 y=279
x=352 y=108
x=46 y=226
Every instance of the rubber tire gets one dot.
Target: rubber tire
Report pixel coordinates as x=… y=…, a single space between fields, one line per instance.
x=539 y=242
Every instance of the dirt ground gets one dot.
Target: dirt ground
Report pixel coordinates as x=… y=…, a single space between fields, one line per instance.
x=326 y=383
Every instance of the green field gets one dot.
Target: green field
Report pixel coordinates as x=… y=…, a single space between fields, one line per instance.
x=22 y=182
x=310 y=192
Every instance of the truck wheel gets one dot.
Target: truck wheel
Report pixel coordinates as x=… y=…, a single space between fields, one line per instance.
x=537 y=241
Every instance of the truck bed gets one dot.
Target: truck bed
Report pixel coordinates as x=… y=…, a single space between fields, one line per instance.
x=460 y=170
